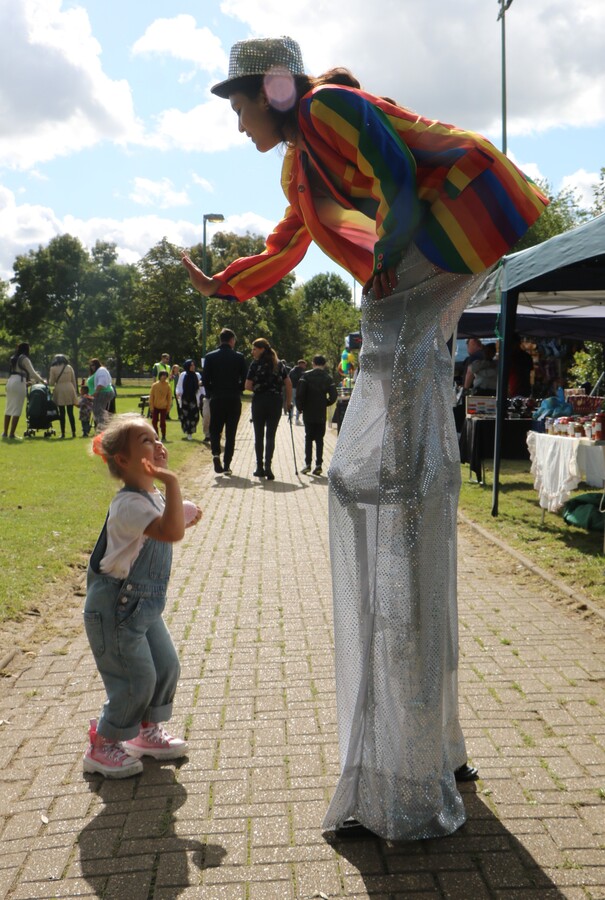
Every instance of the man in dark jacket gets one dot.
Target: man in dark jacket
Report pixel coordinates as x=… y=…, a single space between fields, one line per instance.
x=315 y=392
x=223 y=377
x=295 y=374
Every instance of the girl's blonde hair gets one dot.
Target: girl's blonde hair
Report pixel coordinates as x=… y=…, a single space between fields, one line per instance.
x=114 y=439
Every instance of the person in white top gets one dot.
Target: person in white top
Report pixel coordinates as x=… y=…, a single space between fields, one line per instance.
x=21 y=374
x=103 y=392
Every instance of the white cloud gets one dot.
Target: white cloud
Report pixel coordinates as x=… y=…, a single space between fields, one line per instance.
x=26 y=227
x=207 y=128
x=158 y=193
x=180 y=38
x=202 y=182
x=55 y=97
x=444 y=59
x=582 y=183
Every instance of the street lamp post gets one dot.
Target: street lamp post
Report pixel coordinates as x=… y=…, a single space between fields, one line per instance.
x=504 y=4
x=209 y=217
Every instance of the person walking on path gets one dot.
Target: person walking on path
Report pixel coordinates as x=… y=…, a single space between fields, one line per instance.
x=295 y=374
x=188 y=394
x=417 y=211
x=271 y=392
x=63 y=378
x=160 y=401
x=316 y=391
x=126 y=593
x=223 y=378
x=173 y=379
x=21 y=373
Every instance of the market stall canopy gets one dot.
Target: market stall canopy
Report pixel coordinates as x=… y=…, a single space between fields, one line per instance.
x=560 y=285
x=558 y=280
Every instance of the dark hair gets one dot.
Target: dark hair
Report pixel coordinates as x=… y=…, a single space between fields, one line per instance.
x=319 y=360
x=287 y=120
x=60 y=360
x=226 y=335
x=22 y=350
x=269 y=353
x=95 y=363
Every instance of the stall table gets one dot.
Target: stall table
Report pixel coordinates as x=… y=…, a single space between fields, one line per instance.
x=477 y=441
x=560 y=463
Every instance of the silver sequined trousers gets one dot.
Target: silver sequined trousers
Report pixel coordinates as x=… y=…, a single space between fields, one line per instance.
x=394 y=484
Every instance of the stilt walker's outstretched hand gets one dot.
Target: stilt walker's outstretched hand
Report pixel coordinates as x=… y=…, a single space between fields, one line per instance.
x=201 y=282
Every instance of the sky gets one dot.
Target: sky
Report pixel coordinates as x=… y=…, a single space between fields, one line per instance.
x=108 y=129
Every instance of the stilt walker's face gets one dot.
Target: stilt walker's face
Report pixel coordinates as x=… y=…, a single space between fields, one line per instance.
x=256 y=121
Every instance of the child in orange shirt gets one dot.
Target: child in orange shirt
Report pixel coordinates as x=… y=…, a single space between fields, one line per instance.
x=160 y=401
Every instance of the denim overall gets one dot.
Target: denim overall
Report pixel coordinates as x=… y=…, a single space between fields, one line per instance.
x=130 y=642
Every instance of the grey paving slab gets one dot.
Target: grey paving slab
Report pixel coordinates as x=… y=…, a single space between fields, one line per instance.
x=239 y=819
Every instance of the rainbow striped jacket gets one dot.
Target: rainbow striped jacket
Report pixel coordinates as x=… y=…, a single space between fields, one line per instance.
x=373 y=177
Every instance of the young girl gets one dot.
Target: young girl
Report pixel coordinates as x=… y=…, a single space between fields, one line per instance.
x=126 y=594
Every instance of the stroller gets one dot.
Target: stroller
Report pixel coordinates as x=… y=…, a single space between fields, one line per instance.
x=41 y=411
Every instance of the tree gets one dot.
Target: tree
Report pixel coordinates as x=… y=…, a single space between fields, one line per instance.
x=113 y=286
x=326 y=330
x=325 y=288
x=268 y=315
x=50 y=302
x=561 y=215
x=588 y=365
x=166 y=310
x=599 y=195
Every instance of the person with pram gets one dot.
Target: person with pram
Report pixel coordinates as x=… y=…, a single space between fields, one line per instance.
x=21 y=373
x=63 y=379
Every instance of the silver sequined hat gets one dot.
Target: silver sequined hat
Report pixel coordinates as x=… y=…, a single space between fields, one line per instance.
x=258 y=56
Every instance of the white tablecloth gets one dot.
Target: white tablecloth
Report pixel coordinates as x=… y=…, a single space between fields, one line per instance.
x=560 y=463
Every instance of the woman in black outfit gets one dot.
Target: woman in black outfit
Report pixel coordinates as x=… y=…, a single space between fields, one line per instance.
x=272 y=391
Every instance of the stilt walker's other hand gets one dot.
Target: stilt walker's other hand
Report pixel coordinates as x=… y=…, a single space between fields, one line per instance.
x=383 y=284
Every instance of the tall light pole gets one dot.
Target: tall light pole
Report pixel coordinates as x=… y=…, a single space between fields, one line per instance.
x=504 y=4
x=209 y=217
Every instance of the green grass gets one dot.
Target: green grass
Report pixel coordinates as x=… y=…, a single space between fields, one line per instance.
x=571 y=554
x=54 y=496
x=53 y=501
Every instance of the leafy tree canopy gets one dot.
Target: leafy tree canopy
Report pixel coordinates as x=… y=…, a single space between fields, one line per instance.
x=325 y=288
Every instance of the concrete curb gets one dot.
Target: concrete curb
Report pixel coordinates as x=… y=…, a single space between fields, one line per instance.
x=581 y=600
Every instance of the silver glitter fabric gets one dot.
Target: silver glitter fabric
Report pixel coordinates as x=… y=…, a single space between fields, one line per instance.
x=257 y=56
x=394 y=483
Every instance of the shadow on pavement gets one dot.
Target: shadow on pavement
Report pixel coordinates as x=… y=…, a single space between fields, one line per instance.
x=131 y=847
x=481 y=860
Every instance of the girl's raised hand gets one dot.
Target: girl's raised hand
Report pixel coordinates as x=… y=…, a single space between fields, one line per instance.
x=158 y=472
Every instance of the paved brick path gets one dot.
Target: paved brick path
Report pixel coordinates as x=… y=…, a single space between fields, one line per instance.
x=250 y=611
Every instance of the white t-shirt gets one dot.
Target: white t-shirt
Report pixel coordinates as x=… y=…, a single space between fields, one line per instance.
x=102 y=377
x=130 y=513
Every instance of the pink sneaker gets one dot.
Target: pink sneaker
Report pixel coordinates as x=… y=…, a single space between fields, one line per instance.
x=153 y=740
x=108 y=757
